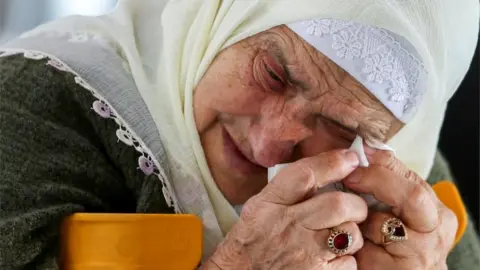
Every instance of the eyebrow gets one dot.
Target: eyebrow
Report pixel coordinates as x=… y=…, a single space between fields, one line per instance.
x=359 y=130
x=294 y=81
x=378 y=135
x=337 y=123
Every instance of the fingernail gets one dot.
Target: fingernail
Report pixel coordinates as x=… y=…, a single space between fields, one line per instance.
x=352 y=158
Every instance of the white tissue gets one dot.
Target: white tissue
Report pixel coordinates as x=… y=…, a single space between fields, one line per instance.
x=272 y=171
x=357 y=147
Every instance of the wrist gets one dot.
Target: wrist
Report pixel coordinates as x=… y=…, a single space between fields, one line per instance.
x=230 y=254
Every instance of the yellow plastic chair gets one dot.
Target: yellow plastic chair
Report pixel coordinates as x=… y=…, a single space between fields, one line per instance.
x=163 y=242
x=448 y=193
x=131 y=242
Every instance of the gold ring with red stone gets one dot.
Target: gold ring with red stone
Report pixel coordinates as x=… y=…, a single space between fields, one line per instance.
x=393 y=230
x=339 y=241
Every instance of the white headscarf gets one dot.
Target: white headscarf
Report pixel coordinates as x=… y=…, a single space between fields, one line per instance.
x=170 y=50
x=170 y=44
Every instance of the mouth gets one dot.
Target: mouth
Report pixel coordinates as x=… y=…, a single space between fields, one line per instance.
x=236 y=158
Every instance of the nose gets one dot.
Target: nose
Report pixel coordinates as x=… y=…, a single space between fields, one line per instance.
x=274 y=139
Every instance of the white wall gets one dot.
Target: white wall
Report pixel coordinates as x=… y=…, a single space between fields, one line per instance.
x=18 y=16
x=59 y=8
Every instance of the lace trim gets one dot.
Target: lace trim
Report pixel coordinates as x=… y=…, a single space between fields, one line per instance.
x=146 y=162
x=385 y=60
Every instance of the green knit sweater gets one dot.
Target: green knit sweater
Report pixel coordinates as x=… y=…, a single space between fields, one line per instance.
x=58 y=157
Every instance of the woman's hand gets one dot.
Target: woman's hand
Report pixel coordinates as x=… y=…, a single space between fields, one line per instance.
x=430 y=226
x=284 y=227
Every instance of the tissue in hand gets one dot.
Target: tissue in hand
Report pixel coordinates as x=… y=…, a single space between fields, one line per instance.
x=357 y=147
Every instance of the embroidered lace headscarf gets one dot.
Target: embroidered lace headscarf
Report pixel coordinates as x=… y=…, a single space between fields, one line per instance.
x=168 y=46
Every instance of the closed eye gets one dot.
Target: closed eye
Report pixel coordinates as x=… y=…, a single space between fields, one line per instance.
x=339 y=130
x=273 y=75
x=274 y=81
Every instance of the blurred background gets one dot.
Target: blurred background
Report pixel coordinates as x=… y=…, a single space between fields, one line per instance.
x=17 y=16
x=460 y=134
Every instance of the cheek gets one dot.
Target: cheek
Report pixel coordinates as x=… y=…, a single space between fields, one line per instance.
x=239 y=97
x=321 y=142
x=229 y=87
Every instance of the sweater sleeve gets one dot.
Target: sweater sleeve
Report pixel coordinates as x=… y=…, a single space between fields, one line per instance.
x=466 y=254
x=52 y=163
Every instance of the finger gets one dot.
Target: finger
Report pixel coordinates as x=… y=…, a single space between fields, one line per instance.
x=329 y=209
x=342 y=263
x=388 y=160
x=373 y=257
x=323 y=251
x=392 y=183
x=295 y=181
x=430 y=248
x=372 y=231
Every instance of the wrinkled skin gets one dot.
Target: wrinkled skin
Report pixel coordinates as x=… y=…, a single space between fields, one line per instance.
x=272 y=98
x=274 y=120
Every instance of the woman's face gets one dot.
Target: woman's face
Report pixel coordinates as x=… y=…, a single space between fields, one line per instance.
x=273 y=98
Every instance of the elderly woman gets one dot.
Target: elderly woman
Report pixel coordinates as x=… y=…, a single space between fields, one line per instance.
x=181 y=106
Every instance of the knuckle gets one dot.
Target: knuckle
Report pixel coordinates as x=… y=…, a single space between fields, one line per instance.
x=251 y=203
x=418 y=195
x=335 y=158
x=339 y=204
x=387 y=158
x=411 y=176
x=321 y=168
x=306 y=169
x=450 y=219
x=250 y=208
x=336 y=162
x=337 y=198
x=256 y=208
x=332 y=163
x=449 y=226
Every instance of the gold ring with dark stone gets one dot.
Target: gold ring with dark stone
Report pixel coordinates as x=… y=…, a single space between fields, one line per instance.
x=339 y=241
x=393 y=230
